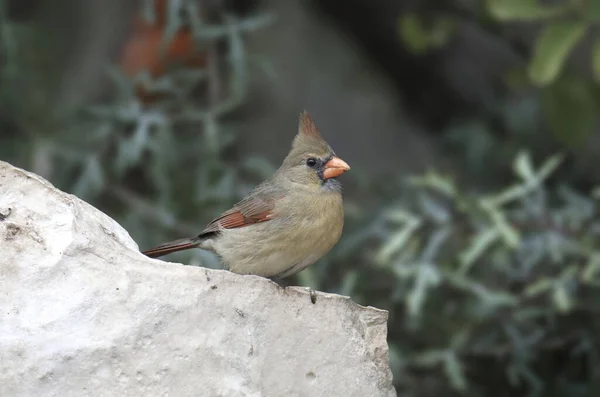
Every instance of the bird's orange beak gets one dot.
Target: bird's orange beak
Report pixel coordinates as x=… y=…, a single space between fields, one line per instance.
x=334 y=167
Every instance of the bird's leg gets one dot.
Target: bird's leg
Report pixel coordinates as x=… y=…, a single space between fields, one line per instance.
x=313 y=295
x=284 y=284
x=279 y=281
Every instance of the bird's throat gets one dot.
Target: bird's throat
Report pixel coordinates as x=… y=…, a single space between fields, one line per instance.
x=331 y=185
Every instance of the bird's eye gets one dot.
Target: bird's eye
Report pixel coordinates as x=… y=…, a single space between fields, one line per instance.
x=311 y=162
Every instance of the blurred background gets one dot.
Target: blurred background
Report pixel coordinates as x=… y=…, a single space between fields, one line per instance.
x=470 y=125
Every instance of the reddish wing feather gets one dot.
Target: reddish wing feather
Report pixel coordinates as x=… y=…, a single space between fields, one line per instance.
x=247 y=212
x=257 y=207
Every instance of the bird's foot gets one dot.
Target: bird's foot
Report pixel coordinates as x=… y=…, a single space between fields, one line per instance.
x=283 y=284
x=313 y=295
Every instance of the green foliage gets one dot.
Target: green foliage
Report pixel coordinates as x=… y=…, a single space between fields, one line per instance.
x=553 y=45
x=568 y=99
x=565 y=25
x=570 y=107
x=523 y=10
x=420 y=37
x=596 y=61
x=492 y=293
x=498 y=291
x=568 y=102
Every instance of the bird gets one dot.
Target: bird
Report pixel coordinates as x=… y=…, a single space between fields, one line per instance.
x=286 y=223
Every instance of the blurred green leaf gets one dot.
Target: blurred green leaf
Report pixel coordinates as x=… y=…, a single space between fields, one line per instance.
x=481 y=242
x=435 y=181
x=434 y=209
x=524 y=167
x=508 y=195
x=596 y=58
x=570 y=109
x=427 y=277
x=591 y=270
x=399 y=215
x=532 y=179
x=420 y=38
x=485 y=296
x=398 y=240
x=519 y=372
x=561 y=298
x=539 y=287
x=509 y=234
x=525 y=170
x=549 y=166
x=508 y=10
x=591 y=9
x=174 y=22
x=413 y=33
x=552 y=47
x=430 y=358
x=454 y=371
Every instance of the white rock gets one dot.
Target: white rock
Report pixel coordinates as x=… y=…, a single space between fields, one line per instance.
x=83 y=313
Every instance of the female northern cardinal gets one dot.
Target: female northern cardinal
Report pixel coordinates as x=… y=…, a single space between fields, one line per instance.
x=287 y=222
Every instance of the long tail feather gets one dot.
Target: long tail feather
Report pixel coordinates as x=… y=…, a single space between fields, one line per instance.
x=172 y=246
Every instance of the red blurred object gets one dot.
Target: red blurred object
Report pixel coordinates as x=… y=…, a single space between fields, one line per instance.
x=142 y=50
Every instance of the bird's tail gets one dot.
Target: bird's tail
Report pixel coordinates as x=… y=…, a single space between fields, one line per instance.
x=172 y=246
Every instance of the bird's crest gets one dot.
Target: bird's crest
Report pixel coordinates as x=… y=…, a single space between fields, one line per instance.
x=307 y=126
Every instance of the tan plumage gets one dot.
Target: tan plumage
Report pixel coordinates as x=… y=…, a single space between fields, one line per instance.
x=287 y=222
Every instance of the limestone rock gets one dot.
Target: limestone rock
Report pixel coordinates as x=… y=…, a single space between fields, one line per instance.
x=83 y=313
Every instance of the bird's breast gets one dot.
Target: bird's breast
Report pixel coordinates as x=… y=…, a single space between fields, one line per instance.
x=302 y=231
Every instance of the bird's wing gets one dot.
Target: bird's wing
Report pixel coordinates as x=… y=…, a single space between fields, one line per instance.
x=256 y=207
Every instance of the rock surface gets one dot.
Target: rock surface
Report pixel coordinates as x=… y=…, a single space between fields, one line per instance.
x=83 y=313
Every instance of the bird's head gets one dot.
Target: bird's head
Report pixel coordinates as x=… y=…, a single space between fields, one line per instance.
x=311 y=161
